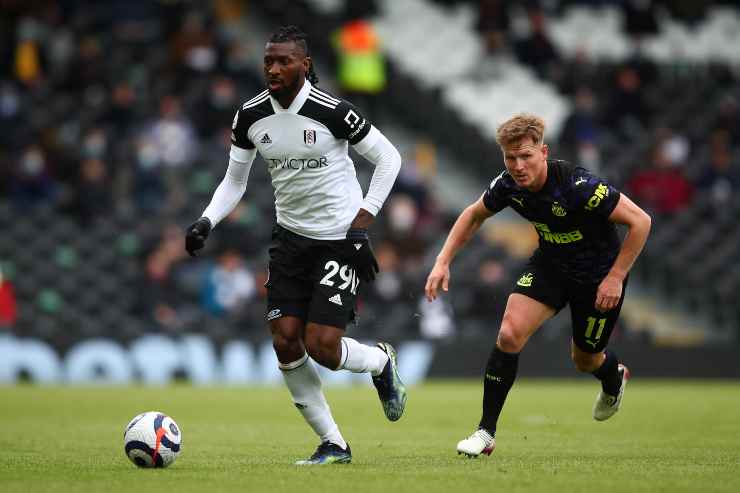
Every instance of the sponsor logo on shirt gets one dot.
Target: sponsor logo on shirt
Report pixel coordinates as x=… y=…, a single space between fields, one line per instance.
x=560 y=238
x=601 y=192
x=526 y=280
x=358 y=129
x=297 y=163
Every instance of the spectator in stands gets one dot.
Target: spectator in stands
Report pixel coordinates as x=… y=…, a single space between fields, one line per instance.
x=149 y=185
x=228 y=285
x=121 y=114
x=580 y=135
x=28 y=64
x=628 y=112
x=663 y=188
x=640 y=18
x=721 y=179
x=388 y=285
x=10 y=113
x=414 y=177
x=217 y=108
x=493 y=24
x=728 y=119
x=8 y=304
x=401 y=228
x=361 y=70
x=31 y=182
x=173 y=135
x=192 y=48
x=160 y=295
x=536 y=49
x=244 y=230
x=92 y=193
x=175 y=145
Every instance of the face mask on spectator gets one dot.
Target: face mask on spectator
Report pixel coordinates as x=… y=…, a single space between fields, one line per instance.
x=32 y=163
x=147 y=157
x=95 y=144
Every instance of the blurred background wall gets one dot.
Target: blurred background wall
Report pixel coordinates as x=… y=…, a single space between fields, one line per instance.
x=114 y=131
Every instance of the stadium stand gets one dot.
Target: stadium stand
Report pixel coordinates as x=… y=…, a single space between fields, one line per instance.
x=103 y=159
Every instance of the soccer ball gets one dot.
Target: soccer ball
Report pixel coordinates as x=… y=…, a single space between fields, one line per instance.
x=152 y=439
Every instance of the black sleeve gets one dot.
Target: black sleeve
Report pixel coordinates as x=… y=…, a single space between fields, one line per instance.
x=592 y=194
x=239 y=129
x=348 y=123
x=494 y=198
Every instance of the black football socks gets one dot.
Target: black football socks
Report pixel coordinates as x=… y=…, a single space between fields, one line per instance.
x=499 y=377
x=608 y=373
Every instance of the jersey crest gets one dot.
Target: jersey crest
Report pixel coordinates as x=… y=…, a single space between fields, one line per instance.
x=558 y=209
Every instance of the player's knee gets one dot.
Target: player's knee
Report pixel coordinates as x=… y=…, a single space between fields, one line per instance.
x=286 y=345
x=324 y=350
x=509 y=338
x=286 y=340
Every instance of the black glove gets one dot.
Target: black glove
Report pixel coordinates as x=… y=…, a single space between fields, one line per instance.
x=196 y=234
x=360 y=254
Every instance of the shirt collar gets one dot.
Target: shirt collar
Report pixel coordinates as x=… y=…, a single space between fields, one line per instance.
x=297 y=103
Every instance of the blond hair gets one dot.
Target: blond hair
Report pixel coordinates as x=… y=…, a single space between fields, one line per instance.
x=519 y=127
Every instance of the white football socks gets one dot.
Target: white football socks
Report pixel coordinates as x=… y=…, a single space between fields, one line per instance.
x=304 y=384
x=360 y=358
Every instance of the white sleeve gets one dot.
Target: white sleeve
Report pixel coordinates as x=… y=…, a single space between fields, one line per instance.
x=377 y=149
x=232 y=187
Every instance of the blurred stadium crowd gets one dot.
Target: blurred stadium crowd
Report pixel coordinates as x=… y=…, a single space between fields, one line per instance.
x=114 y=131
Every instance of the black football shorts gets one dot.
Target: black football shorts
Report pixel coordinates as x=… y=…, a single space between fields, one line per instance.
x=591 y=328
x=310 y=279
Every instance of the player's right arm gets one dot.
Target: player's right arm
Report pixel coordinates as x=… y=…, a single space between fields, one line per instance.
x=465 y=226
x=231 y=189
x=229 y=192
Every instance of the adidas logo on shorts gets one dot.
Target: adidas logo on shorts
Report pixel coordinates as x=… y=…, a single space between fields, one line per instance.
x=336 y=299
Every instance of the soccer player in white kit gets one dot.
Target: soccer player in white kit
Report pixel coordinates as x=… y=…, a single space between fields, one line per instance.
x=320 y=247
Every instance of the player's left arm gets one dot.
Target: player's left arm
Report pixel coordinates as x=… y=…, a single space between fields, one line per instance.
x=377 y=149
x=638 y=224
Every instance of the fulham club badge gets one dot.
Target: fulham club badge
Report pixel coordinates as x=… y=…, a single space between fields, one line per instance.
x=309 y=137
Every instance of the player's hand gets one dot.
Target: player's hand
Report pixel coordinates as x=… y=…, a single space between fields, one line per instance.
x=196 y=234
x=440 y=275
x=360 y=254
x=608 y=294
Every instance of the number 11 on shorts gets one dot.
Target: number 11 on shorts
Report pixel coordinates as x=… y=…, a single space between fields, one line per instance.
x=591 y=323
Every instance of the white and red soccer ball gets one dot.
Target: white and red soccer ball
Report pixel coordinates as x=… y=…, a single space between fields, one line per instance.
x=152 y=439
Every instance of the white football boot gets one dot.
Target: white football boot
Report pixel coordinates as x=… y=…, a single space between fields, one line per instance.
x=480 y=442
x=606 y=405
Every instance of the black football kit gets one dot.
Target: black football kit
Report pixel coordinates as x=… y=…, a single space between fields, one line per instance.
x=577 y=244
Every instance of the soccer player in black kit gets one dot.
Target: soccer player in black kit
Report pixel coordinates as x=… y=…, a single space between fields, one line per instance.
x=580 y=262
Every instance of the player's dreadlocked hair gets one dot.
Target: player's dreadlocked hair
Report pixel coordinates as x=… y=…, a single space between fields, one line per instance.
x=286 y=34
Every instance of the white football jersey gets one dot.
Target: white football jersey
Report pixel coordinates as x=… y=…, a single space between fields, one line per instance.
x=305 y=146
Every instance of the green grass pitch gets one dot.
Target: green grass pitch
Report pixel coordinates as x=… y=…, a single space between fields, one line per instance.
x=670 y=436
